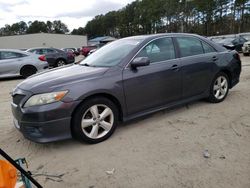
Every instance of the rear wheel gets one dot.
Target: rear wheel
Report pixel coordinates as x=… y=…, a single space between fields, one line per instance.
x=27 y=71
x=219 y=88
x=95 y=120
x=60 y=63
x=246 y=54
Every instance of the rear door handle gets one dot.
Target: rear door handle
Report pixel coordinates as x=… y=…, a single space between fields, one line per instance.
x=175 y=67
x=214 y=58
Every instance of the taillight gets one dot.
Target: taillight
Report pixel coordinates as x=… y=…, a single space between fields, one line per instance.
x=42 y=58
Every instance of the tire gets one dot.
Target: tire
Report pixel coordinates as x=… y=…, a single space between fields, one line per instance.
x=89 y=126
x=60 y=62
x=27 y=71
x=219 y=88
x=245 y=54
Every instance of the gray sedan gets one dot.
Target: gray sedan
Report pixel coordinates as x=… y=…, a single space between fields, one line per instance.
x=123 y=80
x=17 y=62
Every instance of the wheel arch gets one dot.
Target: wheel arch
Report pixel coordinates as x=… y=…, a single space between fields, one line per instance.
x=105 y=95
x=26 y=66
x=229 y=74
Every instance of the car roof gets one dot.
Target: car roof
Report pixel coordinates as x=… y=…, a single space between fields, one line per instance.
x=151 y=36
x=40 y=48
x=15 y=50
x=12 y=50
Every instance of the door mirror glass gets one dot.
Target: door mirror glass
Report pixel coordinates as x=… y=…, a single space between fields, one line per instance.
x=140 y=62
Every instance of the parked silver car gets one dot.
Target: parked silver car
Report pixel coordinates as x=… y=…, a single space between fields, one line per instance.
x=17 y=62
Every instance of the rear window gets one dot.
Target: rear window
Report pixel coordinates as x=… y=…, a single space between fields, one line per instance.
x=207 y=48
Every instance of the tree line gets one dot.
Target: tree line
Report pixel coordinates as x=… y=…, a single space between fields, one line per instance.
x=34 y=27
x=204 y=17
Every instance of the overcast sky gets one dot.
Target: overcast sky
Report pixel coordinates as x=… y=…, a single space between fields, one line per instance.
x=74 y=13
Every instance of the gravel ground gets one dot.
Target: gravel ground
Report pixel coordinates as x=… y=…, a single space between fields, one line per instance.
x=161 y=150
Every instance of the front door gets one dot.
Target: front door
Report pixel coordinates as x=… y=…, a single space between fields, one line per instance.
x=156 y=84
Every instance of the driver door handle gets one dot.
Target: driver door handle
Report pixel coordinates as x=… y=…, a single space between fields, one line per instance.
x=175 y=68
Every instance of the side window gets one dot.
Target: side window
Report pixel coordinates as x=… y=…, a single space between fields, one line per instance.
x=207 y=48
x=32 y=51
x=48 y=51
x=11 y=55
x=158 y=50
x=38 y=51
x=189 y=46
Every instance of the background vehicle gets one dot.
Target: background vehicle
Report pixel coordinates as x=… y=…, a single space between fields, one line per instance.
x=232 y=43
x=86 y=49
x=92 y=51
x=54 y=57
x=246 y=45
x=17 y=62
x=75 y=51
x=125 y=79
x=246 y=48
x=244 y=35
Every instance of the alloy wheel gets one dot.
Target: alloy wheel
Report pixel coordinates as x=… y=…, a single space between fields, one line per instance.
x=220 y=87
x=60 y=63
x=97 y=121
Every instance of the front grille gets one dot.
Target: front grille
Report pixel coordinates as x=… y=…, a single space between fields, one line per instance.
x=17 y=98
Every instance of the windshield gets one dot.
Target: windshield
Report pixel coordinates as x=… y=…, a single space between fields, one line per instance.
x=111 y=54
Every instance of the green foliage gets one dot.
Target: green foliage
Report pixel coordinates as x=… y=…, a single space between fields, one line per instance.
x=205 y=17
x=79 y=31
x=34 y=27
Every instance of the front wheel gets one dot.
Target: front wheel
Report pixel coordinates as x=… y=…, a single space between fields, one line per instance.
x=95 y=120
x=219 y=88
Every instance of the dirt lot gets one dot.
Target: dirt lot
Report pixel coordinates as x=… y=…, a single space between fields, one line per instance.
x=161 y=150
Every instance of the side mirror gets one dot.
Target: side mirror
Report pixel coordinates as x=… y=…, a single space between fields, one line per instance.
x=140 y=62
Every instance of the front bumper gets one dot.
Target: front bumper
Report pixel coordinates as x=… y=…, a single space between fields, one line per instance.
x=42 y=124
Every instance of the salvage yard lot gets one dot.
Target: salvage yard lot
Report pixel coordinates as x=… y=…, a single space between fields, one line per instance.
x=161 y=150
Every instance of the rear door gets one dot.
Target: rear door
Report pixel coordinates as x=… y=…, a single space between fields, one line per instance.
x=197 y=60
x=51 y=55
x=156 y=84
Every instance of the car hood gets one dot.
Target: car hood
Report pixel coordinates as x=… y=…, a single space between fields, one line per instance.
x=49 y=80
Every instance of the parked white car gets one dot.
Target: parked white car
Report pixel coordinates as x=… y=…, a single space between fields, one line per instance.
x=246 y=48
x=17 y=62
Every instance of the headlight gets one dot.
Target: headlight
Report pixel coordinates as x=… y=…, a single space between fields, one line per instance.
x=45 y=98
